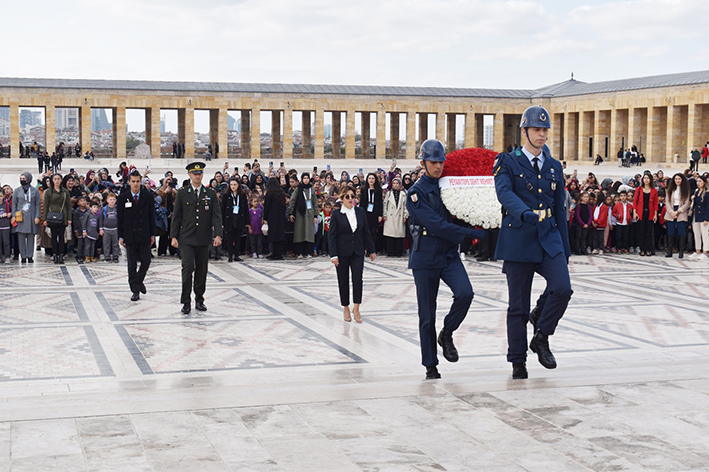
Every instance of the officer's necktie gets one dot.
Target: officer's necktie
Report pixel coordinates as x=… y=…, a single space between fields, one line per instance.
x=536 y=164
x=135 y=199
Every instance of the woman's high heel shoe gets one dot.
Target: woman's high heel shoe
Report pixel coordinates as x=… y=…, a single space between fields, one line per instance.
x=346 y=314
x=357 y=316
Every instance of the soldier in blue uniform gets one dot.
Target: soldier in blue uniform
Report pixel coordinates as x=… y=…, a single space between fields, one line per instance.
x=434 y=257
x=533 y=238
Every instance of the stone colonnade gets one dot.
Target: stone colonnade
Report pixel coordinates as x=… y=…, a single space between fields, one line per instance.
x=662 y=122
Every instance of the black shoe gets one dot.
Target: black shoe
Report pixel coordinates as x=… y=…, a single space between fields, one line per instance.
x=445 y=340
x=540 y=346
x=482 y=258
x=534 y=316
x=142 y=288
x=238 y=259
x=15 y=257
x=519 y=370
x=432 y=373
x=61 y=259
x=135 y=297
x=55 y=259
x=186 y=308
x=231 y=259
x=24 y=260
x=30 y=260
x=200 y=306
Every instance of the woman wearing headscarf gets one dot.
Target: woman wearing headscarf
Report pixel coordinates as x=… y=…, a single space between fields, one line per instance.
x=235 y=213
x=56 y=200
x=303 y=213
x=395 y=215
x=274 y=211
x=26 y=202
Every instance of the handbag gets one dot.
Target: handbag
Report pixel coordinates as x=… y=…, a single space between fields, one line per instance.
x=56 y=217
x=264 y=228
x=18 y=216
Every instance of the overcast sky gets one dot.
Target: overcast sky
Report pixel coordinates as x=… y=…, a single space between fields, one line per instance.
x=444 y=43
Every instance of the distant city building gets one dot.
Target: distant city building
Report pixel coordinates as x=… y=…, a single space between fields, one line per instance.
x=29 y=118
x=231 y=123
x=65 y=118
x=5 y=113
x=488 y=136
x=99 y=120
x=327 y=132
x=162 y=125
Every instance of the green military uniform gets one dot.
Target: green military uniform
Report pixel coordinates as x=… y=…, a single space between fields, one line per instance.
x=193 y=220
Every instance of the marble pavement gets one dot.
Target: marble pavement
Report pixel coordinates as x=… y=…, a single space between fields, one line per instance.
x=272 y=379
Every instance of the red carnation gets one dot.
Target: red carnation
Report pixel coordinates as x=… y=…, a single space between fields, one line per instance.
x=469 y=162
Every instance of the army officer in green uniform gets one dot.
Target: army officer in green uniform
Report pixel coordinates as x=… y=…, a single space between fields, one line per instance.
x=197 y=213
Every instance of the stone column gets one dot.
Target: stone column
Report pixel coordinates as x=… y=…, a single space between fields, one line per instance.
x=119 y=132
x=570 y=137
x=307 y=134
x=85 y=129
x=498 y=137
x=672 y=136
x=694 y=128
x=450 y=135
x=479 y=130
x=287 y=133
x=336 y=134
x=394 y=134
x=256 y=133
x=582 y=137
x=319 y=134
x=613 y=139
x=381 y=149
x=653 y=149
x=222 y=137
x=596 y=134
x=245 y=134
x=50 y=129
x=411 y=135
x=14 y=130
x=631 y=130
x=366 y=139
x=276 y=151
x=189 y=133
x=558 y=126
x=441 y=127
x=423 y=129
x=350 y=134
x=469 y=130
x=152 y=131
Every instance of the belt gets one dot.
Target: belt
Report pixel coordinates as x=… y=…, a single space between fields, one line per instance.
x=542 y=214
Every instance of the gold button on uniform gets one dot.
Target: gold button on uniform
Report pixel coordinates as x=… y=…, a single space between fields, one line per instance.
x=540 y=205
x=540 y=190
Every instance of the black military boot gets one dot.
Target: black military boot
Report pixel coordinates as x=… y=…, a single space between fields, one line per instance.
x=445 y=340
x=540 y=346
x=534 y=316
x=669 y=243
x=432 y=373
x=680 y=243
x=519 y=370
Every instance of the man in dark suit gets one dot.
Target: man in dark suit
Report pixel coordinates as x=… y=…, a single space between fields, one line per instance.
x=136 y=230
x=197 y=213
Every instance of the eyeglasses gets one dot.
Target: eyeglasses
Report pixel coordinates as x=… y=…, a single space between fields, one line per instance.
x=348 y=197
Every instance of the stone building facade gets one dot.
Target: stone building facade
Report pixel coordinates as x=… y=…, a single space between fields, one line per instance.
x=665 y=116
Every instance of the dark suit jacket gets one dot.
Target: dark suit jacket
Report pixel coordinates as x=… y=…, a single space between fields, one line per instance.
x=233 y=220
x=192 y=220
x=136 y=224
x=343 y=242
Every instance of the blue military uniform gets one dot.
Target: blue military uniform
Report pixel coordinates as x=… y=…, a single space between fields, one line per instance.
x=434 y=257
x=533 y=238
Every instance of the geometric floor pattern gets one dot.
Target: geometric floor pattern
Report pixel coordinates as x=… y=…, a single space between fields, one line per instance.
x=271 y=379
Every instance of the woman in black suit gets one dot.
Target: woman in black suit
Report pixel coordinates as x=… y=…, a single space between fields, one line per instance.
x=235 y=213
x=372 y=201
x=349 y=238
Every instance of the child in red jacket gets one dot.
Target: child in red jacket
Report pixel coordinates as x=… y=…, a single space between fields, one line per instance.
x=623 y=213
x=600 y=222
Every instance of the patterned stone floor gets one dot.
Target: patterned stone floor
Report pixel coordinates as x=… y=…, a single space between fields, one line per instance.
x=271 y=379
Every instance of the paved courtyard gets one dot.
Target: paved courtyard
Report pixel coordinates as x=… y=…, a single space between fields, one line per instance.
x=272 y=379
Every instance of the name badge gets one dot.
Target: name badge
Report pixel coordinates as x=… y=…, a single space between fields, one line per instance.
x=129 y=204
x=206 y=207
x=309 y=204
x=235 y=210
x=26 y=207
x=370 y=208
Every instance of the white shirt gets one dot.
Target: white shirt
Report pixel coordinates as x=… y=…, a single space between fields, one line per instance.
x=351 y=216
x=196 y=190
x=531 y=157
